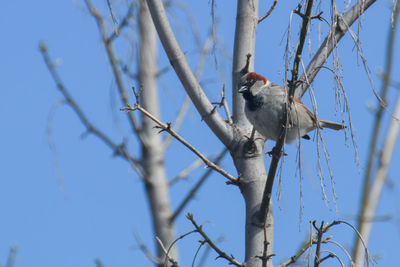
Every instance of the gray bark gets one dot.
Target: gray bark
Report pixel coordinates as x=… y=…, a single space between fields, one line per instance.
x=377 y=185
x=178 y=61
x=152 y=150
x=250 y=167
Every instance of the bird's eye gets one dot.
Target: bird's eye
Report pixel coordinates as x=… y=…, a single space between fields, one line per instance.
x=250 y=83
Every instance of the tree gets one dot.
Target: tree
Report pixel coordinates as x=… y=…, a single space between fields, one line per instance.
x=233 y=132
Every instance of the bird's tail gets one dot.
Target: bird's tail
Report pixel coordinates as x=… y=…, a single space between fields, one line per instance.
x=331 y=125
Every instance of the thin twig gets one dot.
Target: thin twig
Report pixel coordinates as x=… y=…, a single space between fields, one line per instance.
x=331 y=255
x=113 y=17
x=224 y=104
x=184 y=173
x=301 y=251
x=196 y=187
x=113 y=62
x=268 y=12
x=145 y=250
x=185 y=106
x=226 y=107
x=202 y=242
x=167 y=128
x=317 y=259
x=299 y=51
x=124 y=23
x=119 y=150
x=364 y=244
x=344 y=250
x=336 y=32
x=277 y=150
x=167 y=257
x=178 y=121
x=221 y=254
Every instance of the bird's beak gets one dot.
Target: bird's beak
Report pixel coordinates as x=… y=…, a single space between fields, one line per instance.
x=243 y=88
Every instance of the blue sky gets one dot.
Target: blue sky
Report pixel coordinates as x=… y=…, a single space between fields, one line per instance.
x=66 y=200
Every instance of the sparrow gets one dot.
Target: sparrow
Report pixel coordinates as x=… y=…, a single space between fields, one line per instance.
x=264 y=108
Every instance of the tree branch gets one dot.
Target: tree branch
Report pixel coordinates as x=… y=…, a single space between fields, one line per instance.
x=124 y=23
x=357 y=251
x=167 y=128
x=336 y=32
x=119 y=150
x=221 y=254
x=167 y=257
x=374 y=193
x=268 y=12
x=303 y=33
x=178 y=61
x=113 y=62
x=278 y=149
x=196 y=187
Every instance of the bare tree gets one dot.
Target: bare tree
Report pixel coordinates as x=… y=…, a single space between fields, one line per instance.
x=234 y=132
x=249 y=163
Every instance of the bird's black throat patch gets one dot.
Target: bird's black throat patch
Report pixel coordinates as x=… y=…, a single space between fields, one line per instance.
x=253 y=102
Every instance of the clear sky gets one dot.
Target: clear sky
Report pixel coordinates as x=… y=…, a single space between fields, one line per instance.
x=66 y=200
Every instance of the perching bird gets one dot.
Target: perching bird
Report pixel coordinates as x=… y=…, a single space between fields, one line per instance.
x=265 y=103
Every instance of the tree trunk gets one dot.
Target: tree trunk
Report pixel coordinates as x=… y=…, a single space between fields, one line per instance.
x=152 y=149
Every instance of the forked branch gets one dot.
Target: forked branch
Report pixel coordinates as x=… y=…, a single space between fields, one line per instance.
x=167 y=128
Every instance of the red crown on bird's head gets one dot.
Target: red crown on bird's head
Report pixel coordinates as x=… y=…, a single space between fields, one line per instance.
x=256 y=77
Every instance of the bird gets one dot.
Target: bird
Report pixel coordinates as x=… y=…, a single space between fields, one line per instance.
x=265 y=105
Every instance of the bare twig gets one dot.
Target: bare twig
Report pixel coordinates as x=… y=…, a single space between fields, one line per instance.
x=277 y=150
x=113 y=62
x=119 y=150
x=178 y=121
x=202 y=243
x=167 y=128
x=145 y=250
x=185 y=106
x=224 y=104
x=336 y=32
x=364 y=244
x=207 y=252
x=344 y=250
x=196 y=187
x=184 y=173
x=168 y=258
x=311 y=241
x=268 y=12
x=113 y=17
x=221 y=254
x=320 y=232
x=331 y=255
x=124 y=23
x=299 y=51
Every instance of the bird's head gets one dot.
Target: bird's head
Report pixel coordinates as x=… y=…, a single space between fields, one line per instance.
x=252 y=83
